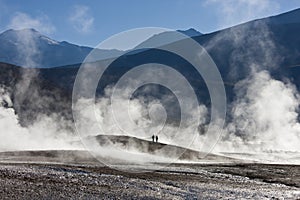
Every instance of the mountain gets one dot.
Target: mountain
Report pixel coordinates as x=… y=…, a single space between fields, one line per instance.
x=271 y=44
x=168 y=37
x=190 y=32
x=29 y=48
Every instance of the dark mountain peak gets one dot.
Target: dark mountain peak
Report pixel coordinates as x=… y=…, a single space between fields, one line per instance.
x=190 y=32
x=15 y=36
x=168 y=37
x=15 y=45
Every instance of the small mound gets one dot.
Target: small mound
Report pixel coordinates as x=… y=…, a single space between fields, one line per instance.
x=123 y=143
x=156 y=148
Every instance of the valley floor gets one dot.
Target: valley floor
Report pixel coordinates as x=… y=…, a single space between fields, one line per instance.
x=178 y=181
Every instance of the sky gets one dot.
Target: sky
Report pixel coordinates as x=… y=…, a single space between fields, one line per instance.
x=89 y=22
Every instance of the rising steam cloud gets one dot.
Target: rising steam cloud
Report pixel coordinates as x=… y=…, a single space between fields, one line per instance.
x=265 y=116
x=43 y=134
x=46 y=131
x=264 y=113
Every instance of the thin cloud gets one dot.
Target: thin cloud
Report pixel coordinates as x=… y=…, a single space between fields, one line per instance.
x=233 y=12
x=22 y=21
x=81 y=19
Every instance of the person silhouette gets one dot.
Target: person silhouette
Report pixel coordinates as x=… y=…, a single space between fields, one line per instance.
x=152 y=138
x=156 y=138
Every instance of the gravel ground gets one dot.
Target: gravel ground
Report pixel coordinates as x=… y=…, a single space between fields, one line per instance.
x=181 y=181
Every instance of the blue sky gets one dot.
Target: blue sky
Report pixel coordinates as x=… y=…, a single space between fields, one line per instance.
x=88 y=22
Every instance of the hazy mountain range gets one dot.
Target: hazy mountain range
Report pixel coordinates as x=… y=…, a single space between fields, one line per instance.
x=271 y=44
x=43 y=52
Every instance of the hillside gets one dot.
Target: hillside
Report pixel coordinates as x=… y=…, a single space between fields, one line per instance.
x=271 y=44
x=135 y=144
x=29 y=48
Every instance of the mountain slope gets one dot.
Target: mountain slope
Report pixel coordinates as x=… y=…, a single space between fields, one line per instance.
x=286 y=18
x=268 y=44
x=271 y=44
x=32 y=95
x=29 y=48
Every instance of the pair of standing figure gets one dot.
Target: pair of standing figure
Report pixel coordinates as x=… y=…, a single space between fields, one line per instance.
x=154 y=137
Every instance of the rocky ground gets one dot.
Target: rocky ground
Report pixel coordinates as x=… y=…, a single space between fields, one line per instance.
x=90 y=180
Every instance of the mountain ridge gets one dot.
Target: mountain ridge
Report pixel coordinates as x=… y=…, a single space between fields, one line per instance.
x=19 y=46
x=232 y=57
x=29 y=48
